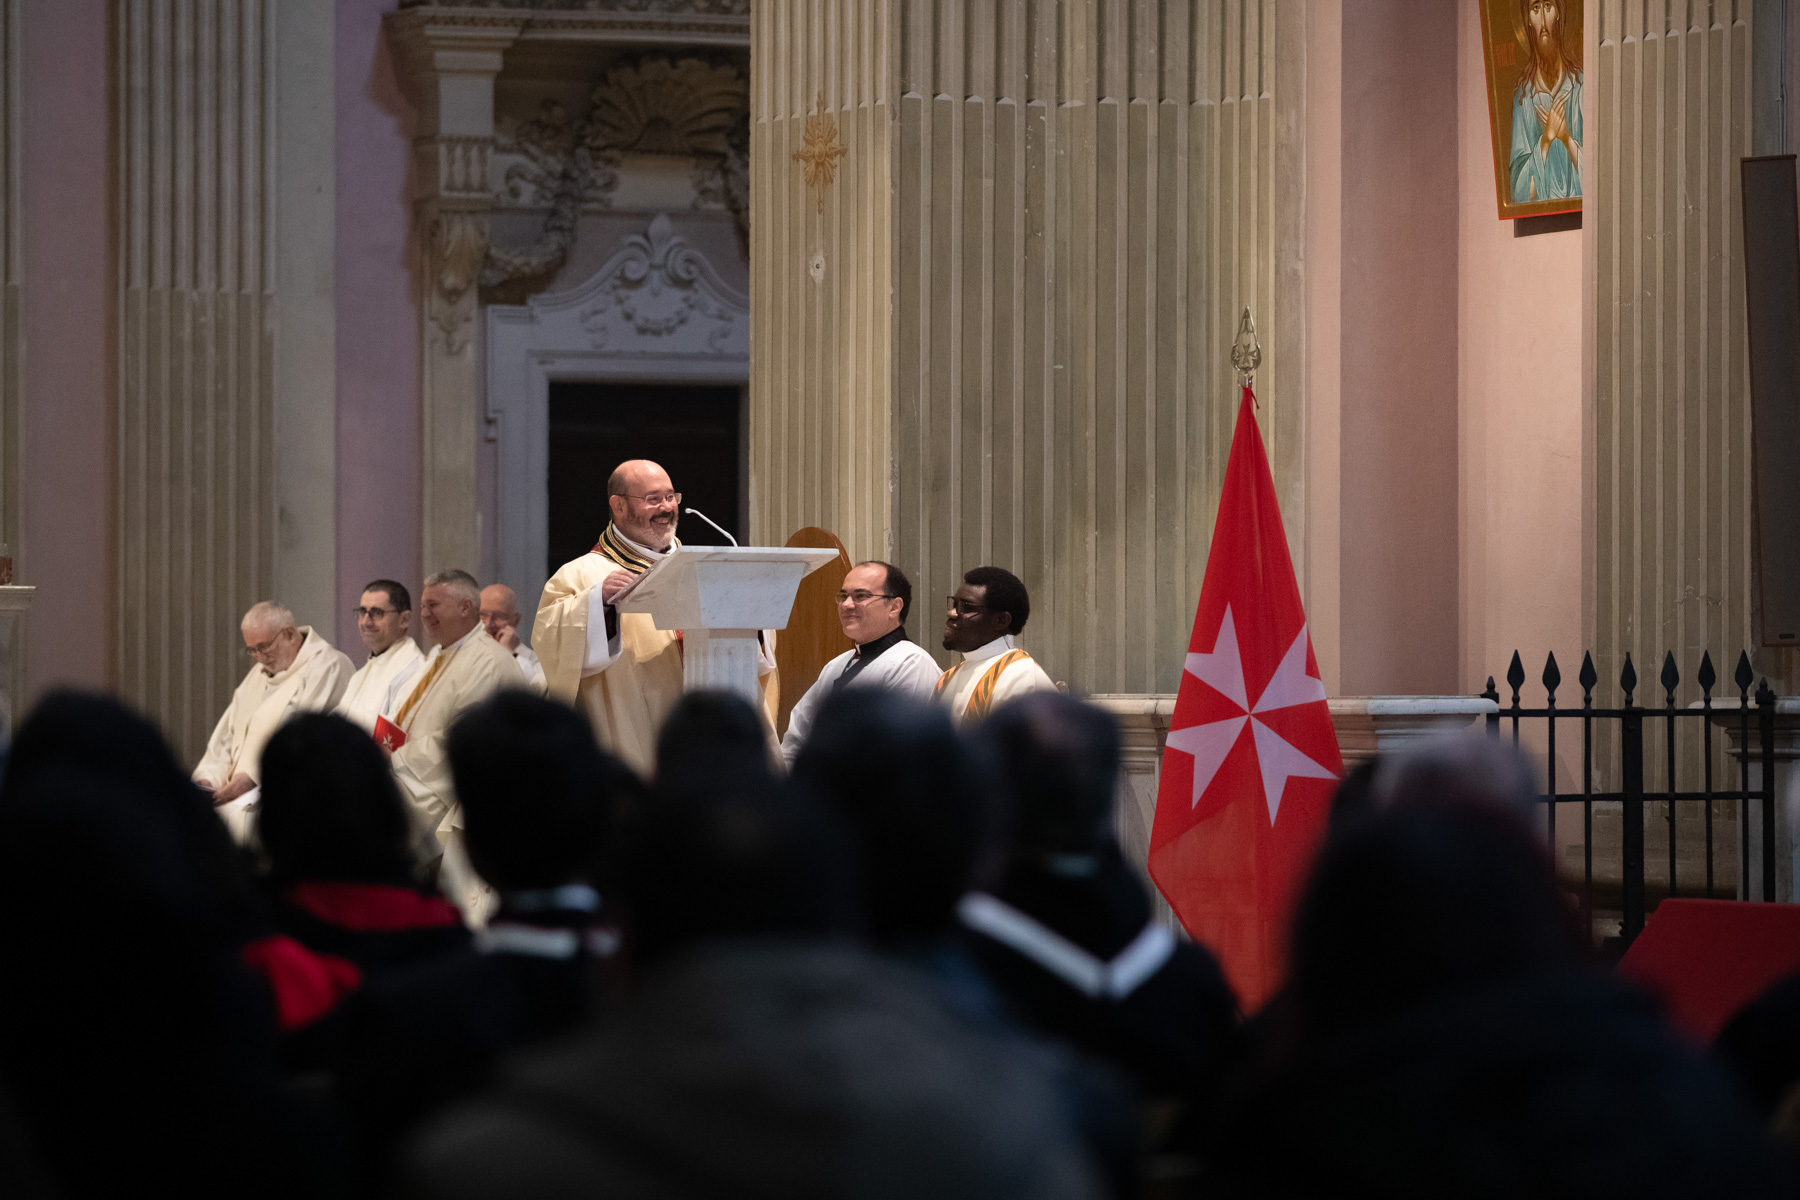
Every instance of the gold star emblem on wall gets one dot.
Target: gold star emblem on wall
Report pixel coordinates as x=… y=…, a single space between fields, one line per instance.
x=820 y=150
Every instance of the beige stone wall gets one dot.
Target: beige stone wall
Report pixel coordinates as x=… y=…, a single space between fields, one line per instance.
x=223 y=420
x=1670 y=432
x=822 y=321
x=1015 y=348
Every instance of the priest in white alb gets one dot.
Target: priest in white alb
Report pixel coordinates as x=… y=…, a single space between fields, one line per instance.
x=619 y=668
x=294 y=669
x=465 y=667
x=984 y=616
x=384 y=621
x=872 y=604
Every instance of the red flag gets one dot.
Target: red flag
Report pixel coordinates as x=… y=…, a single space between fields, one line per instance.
x=1251 y=760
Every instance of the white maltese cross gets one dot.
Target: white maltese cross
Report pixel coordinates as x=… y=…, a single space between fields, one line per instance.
x=1209 y=743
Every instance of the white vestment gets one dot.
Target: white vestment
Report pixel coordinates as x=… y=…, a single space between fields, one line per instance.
x=625 y=681
x=528 y=662
x=367 y=696
x=474 y=668
x=1019 y=678
x=906 y=668
x=313 y=682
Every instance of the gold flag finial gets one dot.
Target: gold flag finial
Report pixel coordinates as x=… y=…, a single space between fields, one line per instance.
x=1246 y=352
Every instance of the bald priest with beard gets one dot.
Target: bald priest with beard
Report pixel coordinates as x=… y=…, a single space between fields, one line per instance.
x=619 y=668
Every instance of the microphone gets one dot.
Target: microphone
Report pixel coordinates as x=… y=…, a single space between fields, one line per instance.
x=694 y=512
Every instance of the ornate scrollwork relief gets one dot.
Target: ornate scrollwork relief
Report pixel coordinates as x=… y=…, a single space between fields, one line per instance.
x=658 y=286
x=459 y=243
x=688 y=107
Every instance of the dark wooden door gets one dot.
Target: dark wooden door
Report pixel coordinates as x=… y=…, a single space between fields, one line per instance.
x=692 y=430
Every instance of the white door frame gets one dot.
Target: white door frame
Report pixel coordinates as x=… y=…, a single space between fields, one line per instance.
x=656 y=312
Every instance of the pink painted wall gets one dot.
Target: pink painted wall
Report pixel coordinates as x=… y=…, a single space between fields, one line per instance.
x=377 y=316
x=67 y=334
x=1398 y=349
x=1519 y=322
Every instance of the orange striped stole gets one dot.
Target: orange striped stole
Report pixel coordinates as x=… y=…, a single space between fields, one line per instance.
x=418 y=693
x=982 y=698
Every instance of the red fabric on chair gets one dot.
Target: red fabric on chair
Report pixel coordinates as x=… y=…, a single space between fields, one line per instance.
x=1706 y=959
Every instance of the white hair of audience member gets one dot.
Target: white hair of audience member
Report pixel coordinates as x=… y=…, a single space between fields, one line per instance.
x=268 y=617
x=1470 y=767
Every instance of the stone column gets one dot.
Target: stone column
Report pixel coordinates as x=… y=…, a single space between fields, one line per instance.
x=449 y=69
x=1787 y=792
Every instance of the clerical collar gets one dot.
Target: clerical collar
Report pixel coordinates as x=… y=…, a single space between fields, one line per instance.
x=868 y=652
x=993 y=649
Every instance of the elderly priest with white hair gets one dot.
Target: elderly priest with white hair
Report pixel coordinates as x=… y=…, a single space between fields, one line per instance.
x=294 y=669
x=384 y=621
x=465 y=667
x=619 y=668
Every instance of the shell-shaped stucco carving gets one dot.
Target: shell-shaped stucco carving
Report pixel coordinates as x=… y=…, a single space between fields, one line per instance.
x=657 y=106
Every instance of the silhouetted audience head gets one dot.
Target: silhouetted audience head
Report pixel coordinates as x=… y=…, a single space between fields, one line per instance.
x=1355 y=795
x=1424 y=899
x=330 y=808
x=921 y=803
x=1462 y=768
x=538 y=794
x=139 y=1050
x=747 y=857
x=709 y=735
x=1061 y=758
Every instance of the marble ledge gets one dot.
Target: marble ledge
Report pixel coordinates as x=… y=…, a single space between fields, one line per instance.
x=1365 y=725
x=16 y=598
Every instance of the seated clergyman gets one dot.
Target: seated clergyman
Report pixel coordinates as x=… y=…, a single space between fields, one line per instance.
x=384 y=620
x=500 y=617
x=985 y=614
x=872 y=606
x=465 y=667
x=294 y=669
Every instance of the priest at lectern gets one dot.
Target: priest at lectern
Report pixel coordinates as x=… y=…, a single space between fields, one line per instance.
x=619 y=668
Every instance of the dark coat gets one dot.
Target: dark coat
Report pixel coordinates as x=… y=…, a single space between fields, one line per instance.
x=766 y=1068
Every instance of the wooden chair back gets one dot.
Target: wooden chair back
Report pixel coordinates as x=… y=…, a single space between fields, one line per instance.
x=813 y=636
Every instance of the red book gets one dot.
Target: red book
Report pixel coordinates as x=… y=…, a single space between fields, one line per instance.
x=389 y=735
x=1251 y=761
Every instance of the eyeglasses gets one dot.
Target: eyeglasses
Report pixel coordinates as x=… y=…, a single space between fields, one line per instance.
x=374 y=614
x=965 y=608
x=262 y=648
x=860 y=598
x=660 y=499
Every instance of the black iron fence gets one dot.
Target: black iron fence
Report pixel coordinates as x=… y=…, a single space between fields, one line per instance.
x=1622 y=731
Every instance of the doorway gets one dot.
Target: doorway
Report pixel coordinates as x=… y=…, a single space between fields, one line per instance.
x=694 y=431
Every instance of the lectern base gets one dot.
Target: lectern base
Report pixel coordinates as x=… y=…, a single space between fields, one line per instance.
x=720 y=660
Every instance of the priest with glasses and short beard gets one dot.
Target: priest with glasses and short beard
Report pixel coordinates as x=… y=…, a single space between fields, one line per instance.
x=619 y=668
x=872 y=605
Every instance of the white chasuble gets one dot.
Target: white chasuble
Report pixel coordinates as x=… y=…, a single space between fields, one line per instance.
x=989 y=677
x=366 y=697
x=313 y=682
x=618 y=668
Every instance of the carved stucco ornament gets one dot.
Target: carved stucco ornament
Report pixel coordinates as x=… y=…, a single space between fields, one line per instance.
x=656 y=285
x=820 y=150
x=689 y=107
x=459 y=245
